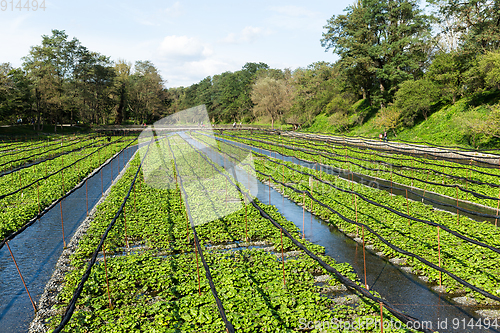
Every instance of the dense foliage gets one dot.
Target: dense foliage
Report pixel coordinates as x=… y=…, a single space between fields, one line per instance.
x=472 y=263
x=398 y=64
x=154 y=287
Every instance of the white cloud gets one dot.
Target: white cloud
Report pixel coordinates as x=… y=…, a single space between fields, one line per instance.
x=184 y=60
x=183 y=47
x=247 y=35
x=186 y=73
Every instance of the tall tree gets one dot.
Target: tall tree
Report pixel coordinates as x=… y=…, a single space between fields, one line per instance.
x=272 y=97
x=146 y=92
x=380 y=44
x=122 y=86
x=475 y=22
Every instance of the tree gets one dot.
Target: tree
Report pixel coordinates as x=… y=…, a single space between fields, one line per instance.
x=489 y=66
x=388 y=118
x=476 y=22
x=122 y=86
x=52 y=68
x=18 y=102
x=319 y=88
x=415 y=98
x=146 y=92
x=447 y=71
x=272 y=97
x=380 y=44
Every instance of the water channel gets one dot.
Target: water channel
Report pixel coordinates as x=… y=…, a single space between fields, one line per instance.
x=436 y=200
x=405 y=291
x=38 y=248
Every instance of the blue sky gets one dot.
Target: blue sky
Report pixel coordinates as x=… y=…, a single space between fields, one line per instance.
x=186 y=40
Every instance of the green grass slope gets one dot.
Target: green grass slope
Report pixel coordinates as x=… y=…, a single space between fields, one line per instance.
x=448 y=125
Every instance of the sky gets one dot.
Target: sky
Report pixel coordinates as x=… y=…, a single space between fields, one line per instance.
x=186 y=40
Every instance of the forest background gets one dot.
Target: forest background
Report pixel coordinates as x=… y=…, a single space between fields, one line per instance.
x=418 y=73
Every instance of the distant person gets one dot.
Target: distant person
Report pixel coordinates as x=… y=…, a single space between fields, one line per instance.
x=385 y=136
x=240 y=124
x=380 y=137
x=234 y=125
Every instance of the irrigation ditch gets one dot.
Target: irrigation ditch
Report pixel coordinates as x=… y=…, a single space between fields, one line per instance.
x=37 y=246
x=389 y=277
x=427 y=300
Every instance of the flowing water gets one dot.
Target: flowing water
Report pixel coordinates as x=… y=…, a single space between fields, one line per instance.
x=38 y=248
x=436 y=200
x=405 y=291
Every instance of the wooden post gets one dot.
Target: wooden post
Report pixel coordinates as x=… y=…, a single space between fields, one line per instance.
x=22 y=279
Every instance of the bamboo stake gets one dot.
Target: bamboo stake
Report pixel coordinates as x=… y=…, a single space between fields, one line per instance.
x=22 y=279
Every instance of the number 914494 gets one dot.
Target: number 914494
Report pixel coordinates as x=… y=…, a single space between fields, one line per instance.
x=22 y=5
